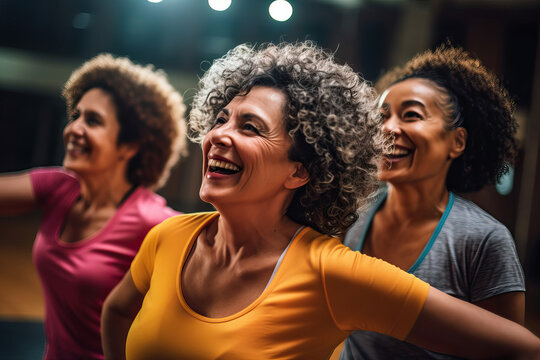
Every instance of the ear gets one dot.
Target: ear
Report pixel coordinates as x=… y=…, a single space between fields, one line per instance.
x=459 y=141
x=128 y=150
x=298 y=178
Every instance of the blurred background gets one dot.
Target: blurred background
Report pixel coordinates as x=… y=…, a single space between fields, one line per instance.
x=43 y=41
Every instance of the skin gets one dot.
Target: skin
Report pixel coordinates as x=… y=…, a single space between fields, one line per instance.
x=233 y=257
x=93 y=155
x=417 y=194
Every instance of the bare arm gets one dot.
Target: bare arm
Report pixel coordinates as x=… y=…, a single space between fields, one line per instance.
x=16 y=194
x=510 y=305
x=449 y=325
x=119 y=310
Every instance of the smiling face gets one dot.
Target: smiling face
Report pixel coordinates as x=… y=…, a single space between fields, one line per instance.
x=423 y=147
x=91 y=135
x=246 y=151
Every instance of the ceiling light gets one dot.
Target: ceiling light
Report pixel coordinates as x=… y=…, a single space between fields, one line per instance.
x=280 y=10
x=219 y=5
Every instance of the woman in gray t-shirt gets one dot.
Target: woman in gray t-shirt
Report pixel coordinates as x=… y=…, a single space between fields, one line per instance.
x=453 y=131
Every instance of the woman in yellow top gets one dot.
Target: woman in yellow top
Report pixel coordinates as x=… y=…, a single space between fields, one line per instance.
x=290 y=141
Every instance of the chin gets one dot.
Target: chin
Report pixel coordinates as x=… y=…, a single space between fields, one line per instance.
x=384 y=176
x=74 y=167
x=389 y=178
x=205 y=196
x=68 y=165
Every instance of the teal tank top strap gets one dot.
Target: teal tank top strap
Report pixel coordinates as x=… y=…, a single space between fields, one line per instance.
x=380 y=201
x=435 y=234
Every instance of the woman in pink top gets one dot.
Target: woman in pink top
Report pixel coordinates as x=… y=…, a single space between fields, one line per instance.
x=126 y=129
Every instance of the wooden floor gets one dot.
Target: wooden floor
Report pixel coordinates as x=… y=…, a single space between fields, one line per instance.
x=20 y=290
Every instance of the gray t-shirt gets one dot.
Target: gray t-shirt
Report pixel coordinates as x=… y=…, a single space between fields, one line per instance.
x=470 y=255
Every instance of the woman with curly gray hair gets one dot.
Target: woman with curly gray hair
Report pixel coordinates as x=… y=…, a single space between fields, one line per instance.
x=453 y=131
x=126 y=129
x=289 y=140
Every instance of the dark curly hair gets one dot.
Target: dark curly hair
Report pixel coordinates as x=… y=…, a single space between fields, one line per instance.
x=150 y=113
x=330 y=116
x=472 y=98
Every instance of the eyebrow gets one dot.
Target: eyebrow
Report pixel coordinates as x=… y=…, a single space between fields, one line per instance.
x=87 y=111
x=413 y=103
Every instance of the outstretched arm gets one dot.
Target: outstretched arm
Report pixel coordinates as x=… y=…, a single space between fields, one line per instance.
x=16 y=194
x=119 y=310
x=509 y=305
x=453 y=326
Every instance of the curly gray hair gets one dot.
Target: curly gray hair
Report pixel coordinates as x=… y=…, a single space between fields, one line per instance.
x=330 y=116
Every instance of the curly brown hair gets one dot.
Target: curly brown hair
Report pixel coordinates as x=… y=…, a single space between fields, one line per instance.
x=330 y=116
x=472 y=98
x=150 y=113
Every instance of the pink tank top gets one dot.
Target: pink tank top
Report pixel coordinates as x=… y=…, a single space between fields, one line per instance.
x=77 y=277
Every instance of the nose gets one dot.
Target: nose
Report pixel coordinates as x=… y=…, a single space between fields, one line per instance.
x=221 y=135
x=75 y=127
x=391 y=125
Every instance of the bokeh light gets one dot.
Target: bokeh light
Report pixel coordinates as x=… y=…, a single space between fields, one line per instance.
x=280 y=10
x=219 y=5
x=506 y=183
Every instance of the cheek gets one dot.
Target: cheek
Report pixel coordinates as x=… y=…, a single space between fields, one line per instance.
x=427 y=137
x=206 y=143
x=274 y=153
x=438 y=141
x=205 y=147
x=66 y=131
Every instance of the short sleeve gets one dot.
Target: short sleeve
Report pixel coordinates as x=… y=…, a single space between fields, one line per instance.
x=142 y=265
x=496 y=268
x=48 y=183
x=365 y=293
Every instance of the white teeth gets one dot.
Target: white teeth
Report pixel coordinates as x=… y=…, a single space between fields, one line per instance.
x=223 y=165
x=74 y=147
x=398 y=152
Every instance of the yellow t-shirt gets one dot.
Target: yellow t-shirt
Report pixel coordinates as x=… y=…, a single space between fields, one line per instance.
x=321 y=292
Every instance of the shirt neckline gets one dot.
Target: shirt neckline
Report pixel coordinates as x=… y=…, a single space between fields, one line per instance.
x=269 y=286
x=432 y=239
x=120 y=210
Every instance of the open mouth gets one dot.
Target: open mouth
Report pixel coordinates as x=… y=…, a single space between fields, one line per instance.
x=75 y=148
x=222 y=167
x=398 y=153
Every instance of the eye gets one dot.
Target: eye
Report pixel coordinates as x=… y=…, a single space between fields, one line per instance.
x=219 y=121
x=73 y=116
x=251 y=127
x=412 y=115
x=92 y=120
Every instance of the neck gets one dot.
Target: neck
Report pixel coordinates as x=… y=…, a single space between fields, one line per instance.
x=409 y=203
x=101 y=192
x=249 y=231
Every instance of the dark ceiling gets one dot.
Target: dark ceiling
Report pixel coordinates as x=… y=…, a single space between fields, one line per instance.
x=173 y=34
